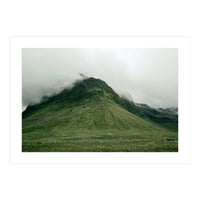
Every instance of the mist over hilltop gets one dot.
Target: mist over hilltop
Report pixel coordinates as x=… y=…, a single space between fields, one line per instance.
x=145 y=75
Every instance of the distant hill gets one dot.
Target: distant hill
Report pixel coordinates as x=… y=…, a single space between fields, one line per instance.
x=90 y=106
x=170 y=110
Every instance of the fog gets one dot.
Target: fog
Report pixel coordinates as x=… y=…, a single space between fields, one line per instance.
x=144 y=75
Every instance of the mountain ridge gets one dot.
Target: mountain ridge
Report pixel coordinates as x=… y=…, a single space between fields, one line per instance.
x=91 y=90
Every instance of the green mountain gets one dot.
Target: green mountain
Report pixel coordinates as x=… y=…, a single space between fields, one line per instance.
x=92 y=117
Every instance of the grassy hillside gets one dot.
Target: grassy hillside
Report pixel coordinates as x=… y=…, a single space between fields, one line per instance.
x=92 y=117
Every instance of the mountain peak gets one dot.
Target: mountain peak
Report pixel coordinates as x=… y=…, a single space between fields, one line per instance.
x=86 y=90
x=92 y=87
x=92 y=82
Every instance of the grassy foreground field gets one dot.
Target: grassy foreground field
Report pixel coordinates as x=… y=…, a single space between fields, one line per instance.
x=101 y=142
x=129 y=141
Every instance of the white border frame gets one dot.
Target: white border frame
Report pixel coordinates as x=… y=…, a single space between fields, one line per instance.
x=16 y=45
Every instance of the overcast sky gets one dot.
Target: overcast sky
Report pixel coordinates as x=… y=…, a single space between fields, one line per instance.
x=146 y=75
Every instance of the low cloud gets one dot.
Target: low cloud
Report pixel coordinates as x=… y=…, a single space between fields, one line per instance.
x=146 y=75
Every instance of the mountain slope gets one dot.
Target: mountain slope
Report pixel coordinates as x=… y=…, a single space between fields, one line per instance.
x=95 y=91
x=90 y=107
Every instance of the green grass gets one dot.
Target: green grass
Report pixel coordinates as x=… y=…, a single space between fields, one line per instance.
x=94 y=127
x=100 y=142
